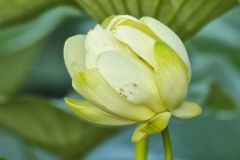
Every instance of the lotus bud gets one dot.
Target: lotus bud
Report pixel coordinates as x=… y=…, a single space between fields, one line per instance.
x=130 y=71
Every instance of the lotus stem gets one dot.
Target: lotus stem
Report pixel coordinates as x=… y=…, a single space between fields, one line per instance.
x=141 y=149
x=167 y=144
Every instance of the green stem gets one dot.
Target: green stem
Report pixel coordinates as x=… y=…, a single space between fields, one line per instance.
x=141 y=149
x=167 y=144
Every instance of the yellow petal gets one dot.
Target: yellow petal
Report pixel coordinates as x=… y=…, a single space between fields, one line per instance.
x=187 y=110
x=92 y=86
x=171 y=75
x=138 y=134
x=170 y=38
x=156 y=124
x=74 y=54
x=131 y=78
x=90 y=112
x=107 y=21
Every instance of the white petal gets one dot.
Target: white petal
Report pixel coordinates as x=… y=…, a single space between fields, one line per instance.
x=98 y=41
x=187 y=110
x=90 y=61
x=92 y=86
x=90 y=112
x=131 y=78
x=74 y=54
x=140 y=42
x=169 y=37
x=171 y=75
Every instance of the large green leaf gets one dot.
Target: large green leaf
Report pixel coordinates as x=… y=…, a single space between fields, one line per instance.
x=16 y=11
x=221 y=38
x=20 y=45
x=185 y=17
x=14 y=69
x=40 y=123
x=16 y=38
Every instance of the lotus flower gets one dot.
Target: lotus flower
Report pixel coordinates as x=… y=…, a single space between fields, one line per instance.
x=130 y=71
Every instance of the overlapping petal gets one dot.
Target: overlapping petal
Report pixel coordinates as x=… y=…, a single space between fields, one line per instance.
x=74 y=54
x=138 y=134
x=91 y=113
x=92 y=86
x=155 y=125
x=170 y=38
x=98 y=41
x=171 y=75
x=113 y=22
x=141 y=43
x=131 y=78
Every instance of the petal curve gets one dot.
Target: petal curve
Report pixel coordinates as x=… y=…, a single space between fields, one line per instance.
x=187 y=110
x=138 y=134
x=169 y=37
x=92 y=86
x=171 y=75
x=131 y=78
x=74 y=54
x=157 y=124
x=90 y=112
x=97 y=41
x=141 y=43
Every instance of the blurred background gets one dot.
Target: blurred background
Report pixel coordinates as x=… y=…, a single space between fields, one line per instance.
x=35 y=124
